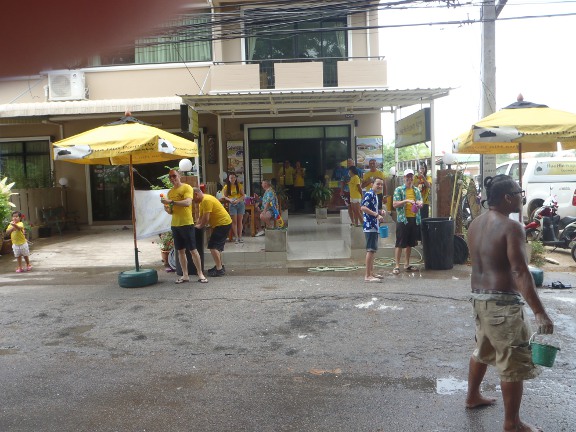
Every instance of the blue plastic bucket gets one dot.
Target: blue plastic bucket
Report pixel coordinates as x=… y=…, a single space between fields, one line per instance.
x=384 y=231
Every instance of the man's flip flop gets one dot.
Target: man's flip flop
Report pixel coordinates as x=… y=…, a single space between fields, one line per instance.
x=181 y=280
x=203 y=280
x=396 y=270
x=378 y=276
x=411 y=268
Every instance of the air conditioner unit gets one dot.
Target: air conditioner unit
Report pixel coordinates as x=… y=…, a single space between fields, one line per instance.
x=66 y=85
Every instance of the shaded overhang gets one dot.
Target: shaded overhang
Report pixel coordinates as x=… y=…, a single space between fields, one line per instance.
x=35 y=112
x=310 y=101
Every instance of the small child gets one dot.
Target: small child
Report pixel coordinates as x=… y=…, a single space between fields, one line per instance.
x=19 y=242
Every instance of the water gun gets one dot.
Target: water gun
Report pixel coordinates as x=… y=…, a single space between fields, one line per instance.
x=277 y=216
x=167 y=206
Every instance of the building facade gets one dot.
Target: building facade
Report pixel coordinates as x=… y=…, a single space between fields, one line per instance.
x=262 y=84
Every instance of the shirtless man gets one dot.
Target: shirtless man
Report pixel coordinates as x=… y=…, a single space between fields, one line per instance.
x=501 y=281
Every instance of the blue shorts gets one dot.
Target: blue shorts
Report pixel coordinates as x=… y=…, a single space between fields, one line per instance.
x=237 y=209
x=371 y=241
x=184 y=237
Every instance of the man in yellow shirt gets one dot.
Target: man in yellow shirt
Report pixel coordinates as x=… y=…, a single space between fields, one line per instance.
x=213 y=213
x=369 y=177
x=178 y=203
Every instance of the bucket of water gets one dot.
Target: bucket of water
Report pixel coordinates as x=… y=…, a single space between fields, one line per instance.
x=384 y=231
x=543 y=354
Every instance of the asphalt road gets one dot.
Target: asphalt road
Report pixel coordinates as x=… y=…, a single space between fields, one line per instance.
x=262 y=350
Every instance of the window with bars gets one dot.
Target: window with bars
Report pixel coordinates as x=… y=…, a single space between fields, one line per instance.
x=185 y=38
x=313 y=39
x=27 y=163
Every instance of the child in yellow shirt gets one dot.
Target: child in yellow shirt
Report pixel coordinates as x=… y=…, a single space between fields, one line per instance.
x=19 y=242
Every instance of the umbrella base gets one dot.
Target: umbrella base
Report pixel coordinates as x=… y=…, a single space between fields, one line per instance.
x=137 y=279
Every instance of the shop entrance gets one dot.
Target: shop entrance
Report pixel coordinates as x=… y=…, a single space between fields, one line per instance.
x=319 y=149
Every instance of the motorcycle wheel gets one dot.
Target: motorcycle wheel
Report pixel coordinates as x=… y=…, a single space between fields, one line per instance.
x=532 y=234
x=573 y=251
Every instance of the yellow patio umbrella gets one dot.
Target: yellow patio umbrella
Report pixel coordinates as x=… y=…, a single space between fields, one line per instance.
x=127 y=141
x=520 y=127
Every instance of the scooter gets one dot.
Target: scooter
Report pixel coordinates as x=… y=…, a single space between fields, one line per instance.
x=552 y=230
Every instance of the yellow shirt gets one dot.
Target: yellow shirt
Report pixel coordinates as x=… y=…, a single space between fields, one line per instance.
x=17 y=236
x=218 y=214
x=299 y=177
x=235 y=192
x=353 y=184
x=425 y=191
x=373 y=175
x=181 y=216
x=286 y=176
x=408 y=207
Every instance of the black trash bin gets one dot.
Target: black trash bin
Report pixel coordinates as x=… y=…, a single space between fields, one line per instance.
x=438 y=243
x=200 y=248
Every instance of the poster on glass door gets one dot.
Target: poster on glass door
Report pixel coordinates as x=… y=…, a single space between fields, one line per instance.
x=235 y=151
x=369 y=147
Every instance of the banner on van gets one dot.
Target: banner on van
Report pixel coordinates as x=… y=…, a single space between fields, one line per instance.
x=555 y=168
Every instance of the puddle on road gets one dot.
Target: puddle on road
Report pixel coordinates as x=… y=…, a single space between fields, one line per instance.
x=449 y=386
x=382 y=306
x=7 y=350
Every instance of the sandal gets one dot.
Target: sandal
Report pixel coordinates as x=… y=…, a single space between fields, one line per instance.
x=396 y=270
x=203 y=280
x=19 y=270
x=378 y=276
x=411 y=268
x=181 y=280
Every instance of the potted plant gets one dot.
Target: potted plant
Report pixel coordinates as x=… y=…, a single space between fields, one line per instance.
x=166 y=244
x=321 y=195
x=6 y=209
x=283 y=201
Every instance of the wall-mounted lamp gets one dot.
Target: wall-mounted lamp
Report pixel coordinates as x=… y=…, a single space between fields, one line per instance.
x=63 y=181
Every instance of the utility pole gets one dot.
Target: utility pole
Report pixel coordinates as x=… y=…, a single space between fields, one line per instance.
x=489 y=13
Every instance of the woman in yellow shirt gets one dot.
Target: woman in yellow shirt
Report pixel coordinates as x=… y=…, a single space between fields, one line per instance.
x=233 y=193
x=355 y=196
x=299 y=183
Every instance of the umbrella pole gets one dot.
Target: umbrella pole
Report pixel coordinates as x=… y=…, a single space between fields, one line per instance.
x=520 y=219
x=133 y=216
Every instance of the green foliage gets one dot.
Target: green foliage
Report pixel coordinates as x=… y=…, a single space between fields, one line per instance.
x=282 y=196
x=538 y=253
x=165 y=180
x=418 y=151
x=321 y=194
x=6 y=207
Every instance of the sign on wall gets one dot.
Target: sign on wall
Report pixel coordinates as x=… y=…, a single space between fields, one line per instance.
x=414 y=129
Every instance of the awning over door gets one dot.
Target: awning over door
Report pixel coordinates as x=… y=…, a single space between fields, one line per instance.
x=310 y=101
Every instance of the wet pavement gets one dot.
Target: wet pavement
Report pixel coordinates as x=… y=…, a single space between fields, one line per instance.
x=257 y=350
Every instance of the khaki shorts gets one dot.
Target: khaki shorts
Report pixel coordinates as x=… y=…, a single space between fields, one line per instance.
x=502 y=338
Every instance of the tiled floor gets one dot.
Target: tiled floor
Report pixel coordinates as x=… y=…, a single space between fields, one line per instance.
x=307 y=240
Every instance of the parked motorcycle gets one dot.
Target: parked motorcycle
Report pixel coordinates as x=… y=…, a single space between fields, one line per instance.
x=547 y=227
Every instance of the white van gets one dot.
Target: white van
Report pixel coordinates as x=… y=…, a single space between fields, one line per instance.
x=542 y=177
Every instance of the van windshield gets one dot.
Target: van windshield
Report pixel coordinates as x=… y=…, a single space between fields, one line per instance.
x=514 y=170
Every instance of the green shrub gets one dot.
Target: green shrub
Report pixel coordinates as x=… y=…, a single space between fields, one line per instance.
x=538 y=254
